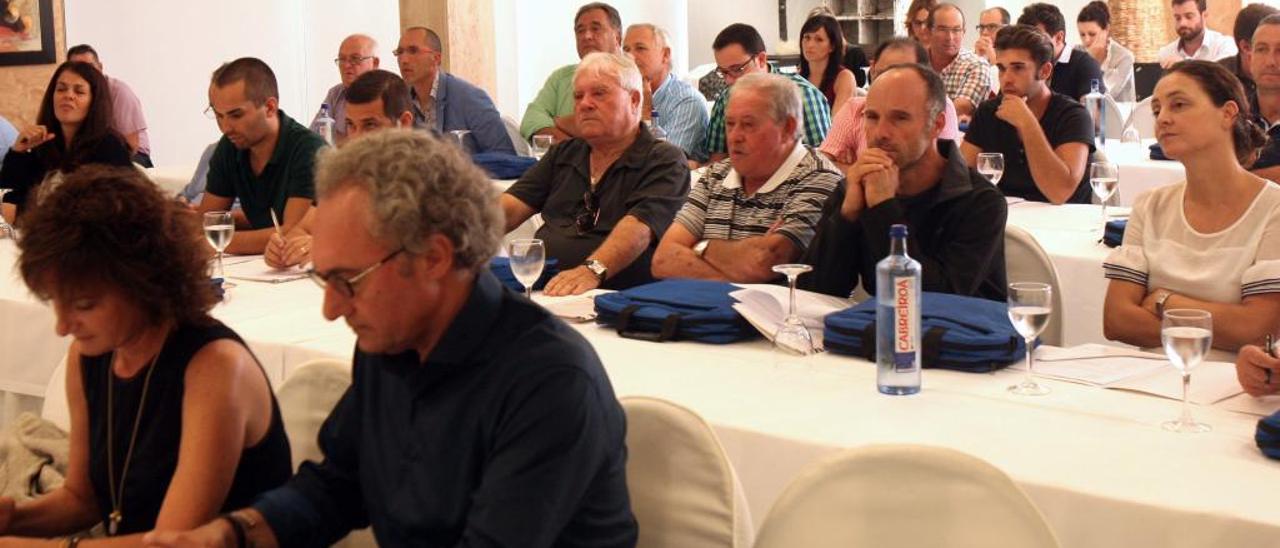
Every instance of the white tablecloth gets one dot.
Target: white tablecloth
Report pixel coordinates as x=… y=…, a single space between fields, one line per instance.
x=171 y=179
x=1138 y=172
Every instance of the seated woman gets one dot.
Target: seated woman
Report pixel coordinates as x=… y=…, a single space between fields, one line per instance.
x=73 y=128
x=125 y=270
x=1211 y=242
x=821 y=48
x=1094 y=24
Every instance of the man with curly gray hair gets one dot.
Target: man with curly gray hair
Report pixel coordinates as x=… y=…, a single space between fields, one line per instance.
x=474 y=416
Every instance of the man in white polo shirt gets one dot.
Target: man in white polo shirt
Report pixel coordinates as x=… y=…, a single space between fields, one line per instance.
x=1194 y=40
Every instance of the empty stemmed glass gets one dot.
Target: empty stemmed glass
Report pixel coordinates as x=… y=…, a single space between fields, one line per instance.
x=527 y=256
x=1186 y=335
x=1104 y=177
x=792 y=337
x=219 y=227
x=540 y=145
x=991 y=166
x=1030 y=304
x=459 y=137
x=6 y=229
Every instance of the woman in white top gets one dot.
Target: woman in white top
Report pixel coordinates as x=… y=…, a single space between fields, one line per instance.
x=1094 y=25
x=1211 y=242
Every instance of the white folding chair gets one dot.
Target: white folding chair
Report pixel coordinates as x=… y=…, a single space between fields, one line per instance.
x=1143 y=119
x=893 y=496
x=683 y=489
x=696 y=73
x=54 y=408
x=517 y=140
x=1113 y=122
x=1026 y=261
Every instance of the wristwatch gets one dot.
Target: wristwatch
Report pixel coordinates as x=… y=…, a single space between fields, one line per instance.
x=596 y=267
x=700 y=248
x=1160 y=300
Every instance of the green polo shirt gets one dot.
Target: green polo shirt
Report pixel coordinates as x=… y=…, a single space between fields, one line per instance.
x=555 y=99
x=290 y=173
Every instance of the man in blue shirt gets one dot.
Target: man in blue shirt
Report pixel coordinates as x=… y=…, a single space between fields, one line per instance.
x=474 y=416
x=682 y=112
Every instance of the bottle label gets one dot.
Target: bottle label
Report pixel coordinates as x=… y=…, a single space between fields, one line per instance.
x=906 y=323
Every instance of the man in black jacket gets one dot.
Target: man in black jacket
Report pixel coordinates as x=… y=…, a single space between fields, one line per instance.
x=907 y=175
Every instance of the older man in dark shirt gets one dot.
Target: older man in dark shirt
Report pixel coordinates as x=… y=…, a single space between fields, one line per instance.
x=607 y=196
x=474 y=417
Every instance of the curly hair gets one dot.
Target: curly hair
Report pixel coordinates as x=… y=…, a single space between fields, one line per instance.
x=110 y=228
x=418 y=185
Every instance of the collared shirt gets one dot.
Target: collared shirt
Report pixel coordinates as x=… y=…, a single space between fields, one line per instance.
x=817 y=115
x=1074 y=73
x=424 y=112
x=554 y=99
x=126 y=113
x=648 y=182
x=507 y=434
x=955 y=230
x=1064 y=121
x=847 y=140
x=1117 y=73
x=682 y=113
x=967 y=77
x=289 y=173
x=789 y=203
x=1215 y=46
x=337 y=101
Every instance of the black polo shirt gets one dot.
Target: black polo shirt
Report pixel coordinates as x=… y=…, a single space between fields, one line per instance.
x=290 y=173
x=1075 y=77
x=649 y=182
x=1064 y=121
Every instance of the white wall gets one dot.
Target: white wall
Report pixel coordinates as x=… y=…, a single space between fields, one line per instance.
x=708 y=17
x=165 y=51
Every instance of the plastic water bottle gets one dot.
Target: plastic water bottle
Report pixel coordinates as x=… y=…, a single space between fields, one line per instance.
x=898 y=318
x=324 y=124
x=657 y=131
x=1097 y=107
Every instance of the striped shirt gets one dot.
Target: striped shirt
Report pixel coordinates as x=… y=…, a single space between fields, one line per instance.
x=817 y=115
x=682 y=113
x=967 y=77
x=790 y=202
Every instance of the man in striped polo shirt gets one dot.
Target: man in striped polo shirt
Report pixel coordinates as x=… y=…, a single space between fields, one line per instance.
x=760 y=207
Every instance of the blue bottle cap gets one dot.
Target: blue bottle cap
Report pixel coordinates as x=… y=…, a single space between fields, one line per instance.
x=898 y=231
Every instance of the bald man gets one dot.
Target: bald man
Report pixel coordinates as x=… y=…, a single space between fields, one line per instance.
x=357 y=55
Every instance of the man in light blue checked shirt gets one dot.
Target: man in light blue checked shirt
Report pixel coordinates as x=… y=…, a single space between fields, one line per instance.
x=739 y=50
x=682 y=112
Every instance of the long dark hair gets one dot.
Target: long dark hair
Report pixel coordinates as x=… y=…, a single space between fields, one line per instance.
x=95 y=127
x=1222 y=86
x=834 y=64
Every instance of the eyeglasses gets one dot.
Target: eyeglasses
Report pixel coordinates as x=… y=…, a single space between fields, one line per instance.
x=586 y=221
x=735 y=70
x=920 y=24
x=352 y=60
x=347 y=286
x=411 y=50
x=989 y=27
x=948 y=30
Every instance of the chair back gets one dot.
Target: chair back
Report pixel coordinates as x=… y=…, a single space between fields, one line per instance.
x=517 y=140
x=306 y=398
x=1143 y=119
x=1026 y=261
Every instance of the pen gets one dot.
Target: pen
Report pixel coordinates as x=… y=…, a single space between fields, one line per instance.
x=276 y=223
x=1271 y=351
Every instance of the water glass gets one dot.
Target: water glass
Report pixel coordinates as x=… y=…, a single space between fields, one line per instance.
x=792 y=337
x=1104 y=177
x=1186 y=335
x=991 y=166
x=1030 y=305
x=527 y=257
x=459 y=139
x=219 y=228
x=540 y=145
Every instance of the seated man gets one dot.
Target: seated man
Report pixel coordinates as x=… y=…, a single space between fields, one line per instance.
x=1045 y=136
x=682 y=112
x=597 y=27
x=443 y=102
x=265 y=159
x=126 y=109
x=847 y=140
x=965 y=75
x=474 y=417
x=1194 y=40
x=739 y=50
x=909 y=176
x=1264 y=60
x=606 y=197
x=990 y=21
x=1074 y=70
x=760 y=208
x=357 y=54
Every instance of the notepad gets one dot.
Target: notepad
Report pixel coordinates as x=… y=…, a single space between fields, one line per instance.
x=764 y=306
x=1128 y=369
x=258 y=271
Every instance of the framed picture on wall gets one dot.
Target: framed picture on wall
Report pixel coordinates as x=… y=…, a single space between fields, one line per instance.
x=26 y=32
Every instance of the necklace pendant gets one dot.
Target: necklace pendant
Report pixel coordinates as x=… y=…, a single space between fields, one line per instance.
x=113 y=522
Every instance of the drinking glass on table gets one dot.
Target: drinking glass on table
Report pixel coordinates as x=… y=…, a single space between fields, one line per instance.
x=1186 y=335
x=527 y=257
x=219 y=227
x=1104 y=177
x=6 y=229
x=459 y=138
x=792 y=337
x=1030 y=304
x=540 y=145
x=991 y=166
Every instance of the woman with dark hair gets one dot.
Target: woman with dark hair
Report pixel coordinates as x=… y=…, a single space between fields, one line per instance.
x=172 y=418
x=1211 y=242
x=1094 y=25
x=73 y=128
x=821 y=48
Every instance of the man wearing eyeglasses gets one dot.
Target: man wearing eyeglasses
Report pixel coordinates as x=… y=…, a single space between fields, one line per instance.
x=597 y=27
x=739 y=50
x=606 y=197
x=356 y=55
x=443 y=102
x=965 y=75
x=990 y=21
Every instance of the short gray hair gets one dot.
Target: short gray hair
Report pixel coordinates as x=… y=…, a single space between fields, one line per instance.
x=619 y=67
x=659 y=33
x=781 y=93
x=418 y=185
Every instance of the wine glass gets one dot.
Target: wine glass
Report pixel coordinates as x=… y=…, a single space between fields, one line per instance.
x=792 y=337
x=1104 y=177
x=541 y=144
x=1186 y=334
x=991 y=166
x=459 y=138
x=1030 y=304
x=218 y=229
x=6 y=229
x=527 y=257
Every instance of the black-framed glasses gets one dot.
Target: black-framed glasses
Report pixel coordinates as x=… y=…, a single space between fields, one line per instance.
x=411 y=50
x=352 y=60
x=989 y=27
x=343 y=285
x=735 y=70
x=586 y=221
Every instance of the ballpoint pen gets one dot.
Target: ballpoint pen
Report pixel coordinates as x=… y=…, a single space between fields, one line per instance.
x=1271 y=351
